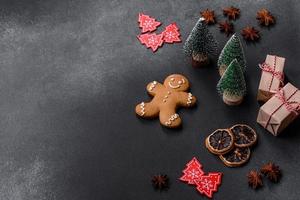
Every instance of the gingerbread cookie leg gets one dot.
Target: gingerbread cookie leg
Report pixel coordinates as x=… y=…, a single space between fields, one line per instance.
x=169 y=118
x=147 y=110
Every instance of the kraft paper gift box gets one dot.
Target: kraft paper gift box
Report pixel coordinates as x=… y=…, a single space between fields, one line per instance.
x=272 y=77
x=281 y=110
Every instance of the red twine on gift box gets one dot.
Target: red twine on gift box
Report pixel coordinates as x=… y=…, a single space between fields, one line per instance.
x=291 y=106
x=267 y=68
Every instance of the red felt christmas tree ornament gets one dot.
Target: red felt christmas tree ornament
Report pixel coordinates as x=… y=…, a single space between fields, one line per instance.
x=192 y=172
x=208 y=184
x=205 y=184
x=171 y=34
x=147 y=23
x=152 y=40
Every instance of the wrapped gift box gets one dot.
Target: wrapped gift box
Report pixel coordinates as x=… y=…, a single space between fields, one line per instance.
x=271 y=78
x=277 y=113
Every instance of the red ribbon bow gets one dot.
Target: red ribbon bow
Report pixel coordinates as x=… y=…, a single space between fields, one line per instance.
x=291 y=106
x=267 y=68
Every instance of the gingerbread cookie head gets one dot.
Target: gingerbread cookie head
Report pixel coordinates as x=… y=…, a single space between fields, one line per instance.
x=177 y=82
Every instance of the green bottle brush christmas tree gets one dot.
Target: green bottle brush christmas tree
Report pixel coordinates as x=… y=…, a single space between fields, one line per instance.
x=200 y=44
x=232 y=50
x=232 y=85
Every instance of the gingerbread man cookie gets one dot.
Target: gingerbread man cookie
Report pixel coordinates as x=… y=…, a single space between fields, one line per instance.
x=167 y=98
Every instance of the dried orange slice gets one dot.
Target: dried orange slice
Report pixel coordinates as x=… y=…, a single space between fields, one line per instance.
x=220 y=141
x=244 y=135
x=236 y=157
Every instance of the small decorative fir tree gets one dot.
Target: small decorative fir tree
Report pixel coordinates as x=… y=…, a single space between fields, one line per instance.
x=200 y=44
x=232 y=85
x=233 y=49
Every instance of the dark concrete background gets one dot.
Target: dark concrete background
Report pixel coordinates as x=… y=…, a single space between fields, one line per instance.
x=71 y=73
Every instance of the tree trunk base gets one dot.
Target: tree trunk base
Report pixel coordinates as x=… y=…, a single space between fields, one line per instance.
x=222 y=70
x=232 y=100
x=200 y=60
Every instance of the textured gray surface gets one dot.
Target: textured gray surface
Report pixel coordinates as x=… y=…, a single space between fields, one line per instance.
x=71 y=72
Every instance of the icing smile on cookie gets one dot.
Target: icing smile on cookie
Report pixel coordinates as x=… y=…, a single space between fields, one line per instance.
x=179 y=83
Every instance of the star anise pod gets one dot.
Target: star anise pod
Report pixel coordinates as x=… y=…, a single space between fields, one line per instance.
x=226 y=27
x=209 y=16
x=160 y=182
x=231 y=12
x=254 y=179
x=265 y=17
x=271 y=171
x=250 y=33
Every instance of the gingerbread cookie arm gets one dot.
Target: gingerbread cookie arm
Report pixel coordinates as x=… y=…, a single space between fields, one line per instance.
x=169 y=118
x=154 y=87
x=186 y=99
x=147 y=110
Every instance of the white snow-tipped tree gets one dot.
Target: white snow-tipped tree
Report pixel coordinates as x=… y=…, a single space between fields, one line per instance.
x=233 y=49
x=232 y=84
x=200 y=44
